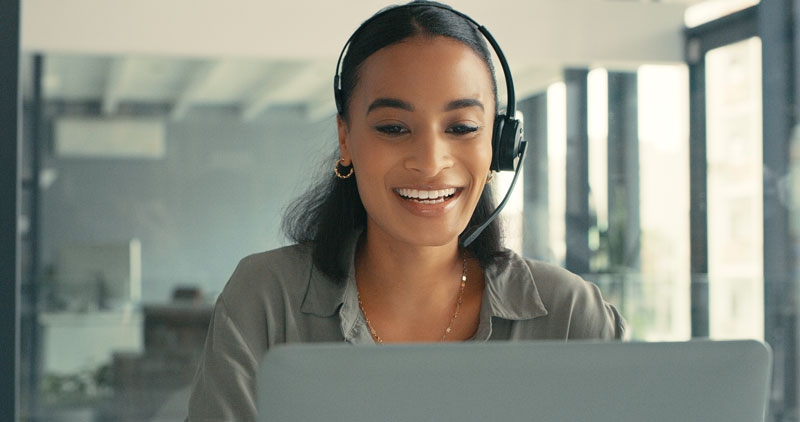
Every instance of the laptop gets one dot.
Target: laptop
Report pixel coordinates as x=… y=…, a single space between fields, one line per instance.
x=704 y=381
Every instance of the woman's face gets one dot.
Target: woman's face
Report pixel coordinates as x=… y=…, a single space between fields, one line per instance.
x=419 y=138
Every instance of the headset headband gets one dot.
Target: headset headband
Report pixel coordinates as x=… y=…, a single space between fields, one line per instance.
x=511 y=100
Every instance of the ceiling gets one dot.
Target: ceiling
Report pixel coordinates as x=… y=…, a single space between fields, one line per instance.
x=251 y=86
x=181 y=84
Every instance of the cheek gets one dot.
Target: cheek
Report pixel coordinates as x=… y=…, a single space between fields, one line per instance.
x=367 y=161
x=487 y=154
x=371 y=167
x=360 y=155
x=482 y=158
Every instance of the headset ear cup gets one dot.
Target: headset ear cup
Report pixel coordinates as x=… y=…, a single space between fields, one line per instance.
x=497 y=137
x=513 y=131
x=506 y=141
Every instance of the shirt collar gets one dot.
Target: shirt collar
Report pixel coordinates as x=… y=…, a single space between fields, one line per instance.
x=510 y=291
x=324 y=295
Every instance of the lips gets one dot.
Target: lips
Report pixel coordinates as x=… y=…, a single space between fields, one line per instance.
x=433 y=196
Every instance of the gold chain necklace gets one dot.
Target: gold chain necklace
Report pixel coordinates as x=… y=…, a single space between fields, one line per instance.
x=378 y=338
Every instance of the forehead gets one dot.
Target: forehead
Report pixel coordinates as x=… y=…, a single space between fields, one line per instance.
x=425 y=65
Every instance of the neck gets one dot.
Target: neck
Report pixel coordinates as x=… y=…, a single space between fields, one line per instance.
x=397 y=273
x=410 y=293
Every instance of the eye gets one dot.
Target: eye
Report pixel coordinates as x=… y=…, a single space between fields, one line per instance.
x=391 y=130
x=462 y=129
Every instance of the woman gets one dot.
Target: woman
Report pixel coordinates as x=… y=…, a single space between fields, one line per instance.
x=377 y=258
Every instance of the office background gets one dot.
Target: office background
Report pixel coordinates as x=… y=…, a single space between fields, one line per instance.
x=156 y=144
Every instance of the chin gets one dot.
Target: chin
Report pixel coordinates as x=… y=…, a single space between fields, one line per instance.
x=417 y=232
x=431 y=239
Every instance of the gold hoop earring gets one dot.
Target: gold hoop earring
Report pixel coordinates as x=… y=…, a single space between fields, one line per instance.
x=336 y=169
x=489 y=176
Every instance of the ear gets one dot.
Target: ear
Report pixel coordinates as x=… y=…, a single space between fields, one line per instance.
x=344 y=141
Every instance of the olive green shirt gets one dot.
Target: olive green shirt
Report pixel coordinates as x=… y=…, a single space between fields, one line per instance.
x=280 y=297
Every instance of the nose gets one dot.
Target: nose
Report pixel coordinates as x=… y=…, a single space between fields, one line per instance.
x=429 y=154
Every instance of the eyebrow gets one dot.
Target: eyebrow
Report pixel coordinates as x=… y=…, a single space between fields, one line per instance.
x=463 y=103
x=403 y=105
x=391 y=103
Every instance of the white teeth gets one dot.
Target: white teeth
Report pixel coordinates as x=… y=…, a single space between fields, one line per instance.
x=427 y=195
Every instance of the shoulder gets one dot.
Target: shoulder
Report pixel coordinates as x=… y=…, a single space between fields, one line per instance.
x=558 y=284
x=575 y=308
x=277 y=261
x=551 y=282
x=259 y=275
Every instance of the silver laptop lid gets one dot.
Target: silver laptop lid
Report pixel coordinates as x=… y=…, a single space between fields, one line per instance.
x=517 y=381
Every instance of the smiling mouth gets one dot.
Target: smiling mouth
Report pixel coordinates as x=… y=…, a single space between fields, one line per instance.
x=426 y=196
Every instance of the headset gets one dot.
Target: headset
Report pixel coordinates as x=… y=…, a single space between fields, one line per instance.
x=508 y=143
